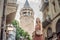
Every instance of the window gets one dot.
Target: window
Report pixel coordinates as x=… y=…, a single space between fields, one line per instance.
x=29 y=13
x=45 y=0
x=49 y=33
x=59 y=2
x=58 y=26
x=54 y=6
x=24 y=13
x=48 y=18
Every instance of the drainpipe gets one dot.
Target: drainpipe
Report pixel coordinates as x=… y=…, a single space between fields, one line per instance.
x=3 y=22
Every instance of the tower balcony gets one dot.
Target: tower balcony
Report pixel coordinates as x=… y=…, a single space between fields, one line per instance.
x=45 y=3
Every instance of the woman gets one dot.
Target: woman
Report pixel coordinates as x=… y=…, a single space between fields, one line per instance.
x=38 y=30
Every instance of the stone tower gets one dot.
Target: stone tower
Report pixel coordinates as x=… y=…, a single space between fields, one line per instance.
x=27 y=18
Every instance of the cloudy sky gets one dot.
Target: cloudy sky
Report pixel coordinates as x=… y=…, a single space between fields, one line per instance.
x=34 y=4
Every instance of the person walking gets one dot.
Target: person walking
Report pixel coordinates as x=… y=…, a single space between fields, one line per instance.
x=38 y=30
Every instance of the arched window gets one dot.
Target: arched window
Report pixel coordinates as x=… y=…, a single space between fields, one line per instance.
x=54 y=5
x=49 y=33
x=58 y=26
x=59 y=2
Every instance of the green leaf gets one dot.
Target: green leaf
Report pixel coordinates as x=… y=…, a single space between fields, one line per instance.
x=20 y=31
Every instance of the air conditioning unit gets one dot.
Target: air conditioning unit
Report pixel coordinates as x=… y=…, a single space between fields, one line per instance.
x=46 y=1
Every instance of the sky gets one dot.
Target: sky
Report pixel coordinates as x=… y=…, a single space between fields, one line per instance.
x=34 y=4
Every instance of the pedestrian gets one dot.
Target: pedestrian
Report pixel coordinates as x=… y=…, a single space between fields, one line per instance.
x=54 y=36
x=58 y=36
x=38 y=30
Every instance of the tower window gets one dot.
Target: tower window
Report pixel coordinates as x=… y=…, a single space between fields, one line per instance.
x=24 y=13
x=28 y=13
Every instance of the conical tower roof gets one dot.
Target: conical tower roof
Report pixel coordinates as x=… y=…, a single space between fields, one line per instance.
x=26 y=5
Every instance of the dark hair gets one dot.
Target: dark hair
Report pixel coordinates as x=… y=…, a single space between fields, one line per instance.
x=37 y=19
x=58 y=34
x=54 y=33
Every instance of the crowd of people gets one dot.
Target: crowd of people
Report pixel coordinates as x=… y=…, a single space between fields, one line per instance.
x=55 y=36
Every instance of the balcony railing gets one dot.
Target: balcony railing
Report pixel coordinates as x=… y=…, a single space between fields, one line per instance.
x=49 y=20
x=44 y=5
x=45 y=23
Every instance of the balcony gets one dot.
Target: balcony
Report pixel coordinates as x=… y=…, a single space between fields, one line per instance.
x=44 y=5
x=47 y=21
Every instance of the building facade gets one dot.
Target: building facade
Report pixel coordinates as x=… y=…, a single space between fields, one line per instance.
x=7 y=13
x=11 y=9
x=51 y=17
x=27 y=18
x=2 y=20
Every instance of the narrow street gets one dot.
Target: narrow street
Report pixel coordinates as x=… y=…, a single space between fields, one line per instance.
x=29 y=19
